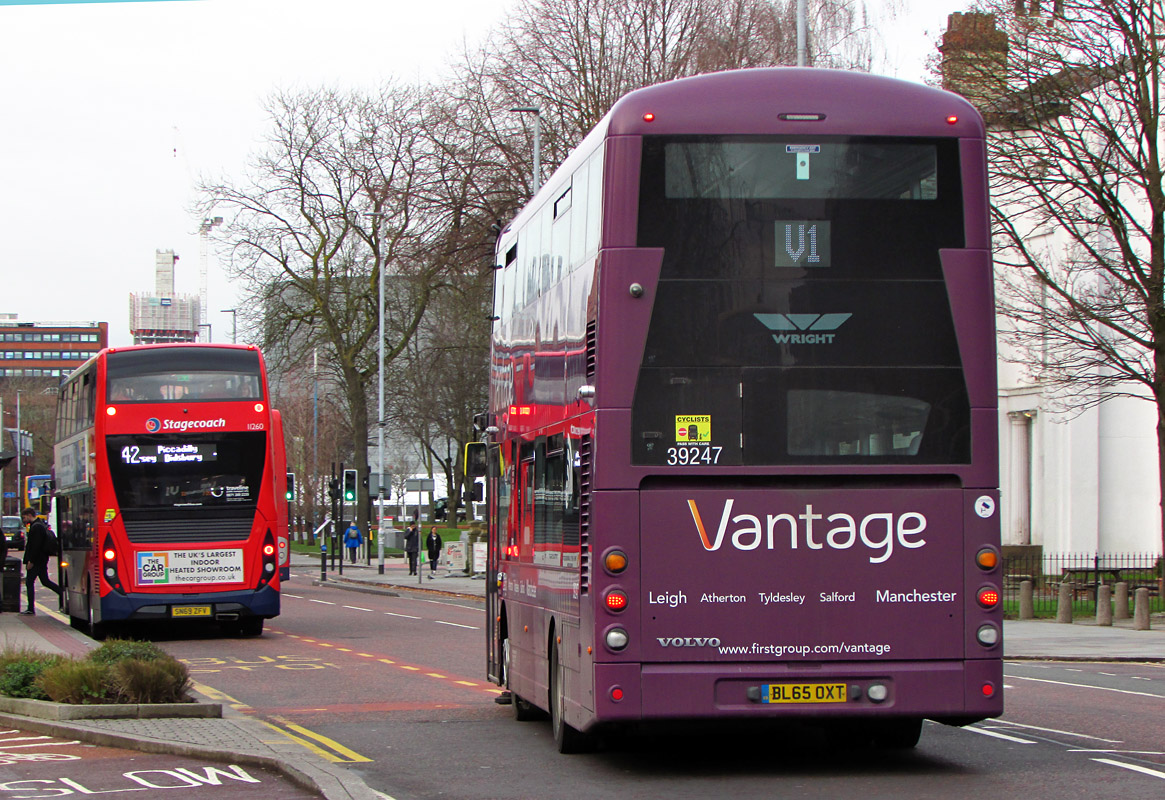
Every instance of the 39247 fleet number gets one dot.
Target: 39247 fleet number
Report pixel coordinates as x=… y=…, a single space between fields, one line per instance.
x=693 y=456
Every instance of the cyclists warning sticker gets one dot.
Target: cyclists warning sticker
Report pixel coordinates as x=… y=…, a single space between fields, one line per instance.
x=693 y=428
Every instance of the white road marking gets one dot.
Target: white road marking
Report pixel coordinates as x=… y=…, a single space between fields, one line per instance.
x=456 y=625
x=1055 y=730
x=406 y=616
x=358 y=608
x=322 y=602
x=997 y=735
x=1134 y=767
x=1087 y=686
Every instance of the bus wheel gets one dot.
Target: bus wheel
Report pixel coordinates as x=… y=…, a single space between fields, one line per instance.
x=524 y=710
x=566 y=738
x=898 y=734
x=97 y=630
x=251 y=626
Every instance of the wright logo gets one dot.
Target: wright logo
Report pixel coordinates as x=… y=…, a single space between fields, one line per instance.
x=786 y=327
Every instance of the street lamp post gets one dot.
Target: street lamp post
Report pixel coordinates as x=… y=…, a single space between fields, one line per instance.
x=537 y=112
x=234 y=323
x=380 y=410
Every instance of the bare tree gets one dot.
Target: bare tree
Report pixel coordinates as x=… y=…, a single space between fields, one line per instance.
x=333 y=200
x=1079 y=195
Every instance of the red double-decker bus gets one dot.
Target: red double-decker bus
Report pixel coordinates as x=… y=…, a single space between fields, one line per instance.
x=741 y=449
x=170 y=479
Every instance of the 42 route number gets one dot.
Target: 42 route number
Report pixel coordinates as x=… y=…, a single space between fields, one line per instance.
x=693 y=456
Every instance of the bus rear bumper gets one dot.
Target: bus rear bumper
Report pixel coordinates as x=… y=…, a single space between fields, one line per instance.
x=220 y=605
x=955 y=692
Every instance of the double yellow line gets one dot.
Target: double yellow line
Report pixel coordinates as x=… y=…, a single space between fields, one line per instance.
x=321 y=745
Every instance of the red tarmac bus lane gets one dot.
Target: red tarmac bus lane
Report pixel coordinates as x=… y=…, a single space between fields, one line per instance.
x=35 y=766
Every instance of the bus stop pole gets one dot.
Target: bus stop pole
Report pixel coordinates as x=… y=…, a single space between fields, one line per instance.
x=380 y=532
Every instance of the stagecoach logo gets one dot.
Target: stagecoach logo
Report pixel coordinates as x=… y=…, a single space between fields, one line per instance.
x=802 y=328
x=153 y=568
x=153 y=424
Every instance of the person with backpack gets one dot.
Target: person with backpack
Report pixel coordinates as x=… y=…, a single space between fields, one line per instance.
x=40 y=545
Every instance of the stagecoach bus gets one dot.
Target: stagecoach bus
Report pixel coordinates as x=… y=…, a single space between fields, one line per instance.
x=740 y=452
x=170 y=479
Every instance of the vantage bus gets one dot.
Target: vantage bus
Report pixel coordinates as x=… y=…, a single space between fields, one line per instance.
x=740 y=452
x=170 y=483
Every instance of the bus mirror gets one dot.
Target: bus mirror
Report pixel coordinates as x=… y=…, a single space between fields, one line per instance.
x=475 y=461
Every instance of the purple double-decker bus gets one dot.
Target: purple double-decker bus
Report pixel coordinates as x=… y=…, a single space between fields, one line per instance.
x=741 y=455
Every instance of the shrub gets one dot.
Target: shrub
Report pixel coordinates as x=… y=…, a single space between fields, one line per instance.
x=164 y=680
x=113 y=650
x=19 y=670
x=81 y=682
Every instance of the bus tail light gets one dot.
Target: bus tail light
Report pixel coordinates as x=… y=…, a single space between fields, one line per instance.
x=615 y=600
x=269 y=558
x=617 y=639
x=987 y=559
x=615 y=561
x=988 y=597
x=987 y=635
x=109 y=566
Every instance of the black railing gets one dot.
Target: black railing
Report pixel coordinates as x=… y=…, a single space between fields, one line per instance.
x=1086 y=572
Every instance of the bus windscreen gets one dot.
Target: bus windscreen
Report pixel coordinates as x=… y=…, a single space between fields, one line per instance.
x=183 y=375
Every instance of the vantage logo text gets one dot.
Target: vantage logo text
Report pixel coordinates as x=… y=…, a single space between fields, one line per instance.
x=878 y=531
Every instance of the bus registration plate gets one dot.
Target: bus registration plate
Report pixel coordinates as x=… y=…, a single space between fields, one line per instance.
x=190 y=611
x=804 y=693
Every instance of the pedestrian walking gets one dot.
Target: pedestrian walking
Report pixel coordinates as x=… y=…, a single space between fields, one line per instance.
x=433 y=544
x=352 y=540
x=412 y=546
x=40 y=544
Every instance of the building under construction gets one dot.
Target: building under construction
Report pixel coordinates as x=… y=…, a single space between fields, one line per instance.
x=163 y=316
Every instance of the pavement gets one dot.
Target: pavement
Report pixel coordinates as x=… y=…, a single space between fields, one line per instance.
x=237 y=738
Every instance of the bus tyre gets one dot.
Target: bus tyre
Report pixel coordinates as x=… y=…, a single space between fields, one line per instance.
x=251 y=626
x=566 y=738
x=524 y=710
x=898 y=734
x=97 y=630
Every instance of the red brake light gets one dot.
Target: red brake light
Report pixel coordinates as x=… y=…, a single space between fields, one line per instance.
x=952 y=120
x=649 y=117
x=988 y=598
x=110 y=554
x=268 y=549
x=616 y=600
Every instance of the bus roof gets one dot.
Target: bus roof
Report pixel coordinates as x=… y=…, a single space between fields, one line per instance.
x=755 y=101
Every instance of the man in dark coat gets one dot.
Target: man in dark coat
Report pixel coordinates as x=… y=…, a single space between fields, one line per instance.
x=412 y=546
x=37 y=550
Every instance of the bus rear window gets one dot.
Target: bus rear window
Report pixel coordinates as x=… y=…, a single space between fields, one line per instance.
x=183 y=375
x=805 y=169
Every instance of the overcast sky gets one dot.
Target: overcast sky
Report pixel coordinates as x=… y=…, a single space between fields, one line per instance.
x=112 y=111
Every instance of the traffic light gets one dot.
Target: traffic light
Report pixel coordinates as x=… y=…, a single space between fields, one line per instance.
x=291 y=487
x=334 y=489
x=349 y=486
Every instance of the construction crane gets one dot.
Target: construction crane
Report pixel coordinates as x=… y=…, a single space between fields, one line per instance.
x=203 y=245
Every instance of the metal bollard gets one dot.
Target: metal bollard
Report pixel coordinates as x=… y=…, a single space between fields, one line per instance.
x=1141 y=610
x=1121 y=598
x=1064 y=603
x=323 y=560
x=1104 y=605
x=1027 y=607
